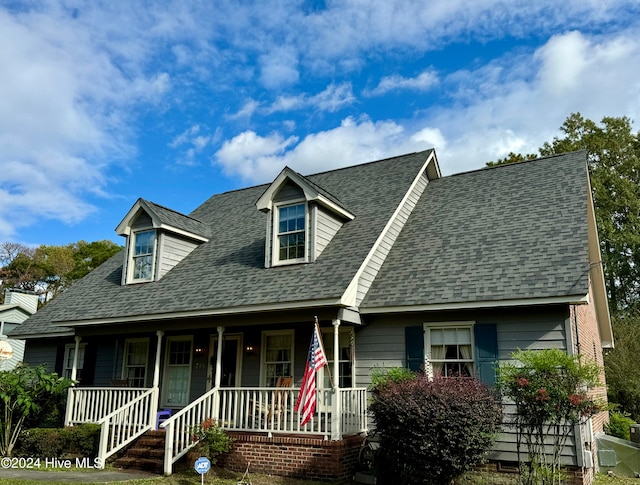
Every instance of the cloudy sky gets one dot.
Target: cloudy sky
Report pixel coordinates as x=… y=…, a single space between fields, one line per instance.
x=105 y=102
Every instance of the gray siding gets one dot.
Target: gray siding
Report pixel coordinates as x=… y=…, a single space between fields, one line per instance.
x=382 y=344
x=289 y=191
x=326 y=226
x=104 y=370
x=173 y=250
x=142 y=221
x=375 y=263
x=41 y=352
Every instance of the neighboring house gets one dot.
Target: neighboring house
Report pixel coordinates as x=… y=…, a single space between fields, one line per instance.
x=208 y=313
x=18 y=306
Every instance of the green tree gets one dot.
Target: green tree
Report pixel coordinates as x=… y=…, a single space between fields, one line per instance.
x=621 y=364
x=49 y=270
x=21 y=391
x=550 y=390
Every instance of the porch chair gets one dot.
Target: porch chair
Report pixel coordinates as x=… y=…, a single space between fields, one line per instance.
x=281 y=398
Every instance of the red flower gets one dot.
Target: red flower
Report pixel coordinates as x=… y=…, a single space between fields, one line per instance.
x=543 y=395
x=523 y=382
x=576 y=399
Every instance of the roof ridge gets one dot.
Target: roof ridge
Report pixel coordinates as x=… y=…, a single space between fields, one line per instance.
x=519 y=162
x=172 y=210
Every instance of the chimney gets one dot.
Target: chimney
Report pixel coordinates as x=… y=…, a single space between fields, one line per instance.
x=26 y=299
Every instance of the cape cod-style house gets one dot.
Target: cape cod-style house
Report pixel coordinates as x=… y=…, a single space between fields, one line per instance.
x=209 y=315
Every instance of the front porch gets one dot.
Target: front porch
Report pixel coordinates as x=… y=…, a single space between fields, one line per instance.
x=127 y=413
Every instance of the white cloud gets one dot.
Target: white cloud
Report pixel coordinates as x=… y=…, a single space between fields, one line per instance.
x=423 y=82
x=259 y=159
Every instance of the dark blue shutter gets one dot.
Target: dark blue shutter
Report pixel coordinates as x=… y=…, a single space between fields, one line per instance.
x=414 y=345
x=486 y=339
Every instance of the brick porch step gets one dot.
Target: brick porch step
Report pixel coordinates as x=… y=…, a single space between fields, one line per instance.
x=146 y=453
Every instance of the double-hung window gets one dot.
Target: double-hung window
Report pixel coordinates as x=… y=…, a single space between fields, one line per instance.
x=69 y=353
x=291 y=233
x=136 y=353
x=277 y=356
x=143 y=256
x=450 y=349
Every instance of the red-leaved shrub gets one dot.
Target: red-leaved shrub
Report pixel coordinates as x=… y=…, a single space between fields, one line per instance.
x=432 y=431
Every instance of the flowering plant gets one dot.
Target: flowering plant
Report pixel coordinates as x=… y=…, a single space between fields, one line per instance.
x=211 y=440
x=551 y=393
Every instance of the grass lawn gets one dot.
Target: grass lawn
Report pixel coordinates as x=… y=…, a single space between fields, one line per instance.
x=223 y=477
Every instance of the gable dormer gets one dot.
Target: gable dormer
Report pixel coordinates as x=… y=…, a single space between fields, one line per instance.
x=302 y=219
x=157 y=240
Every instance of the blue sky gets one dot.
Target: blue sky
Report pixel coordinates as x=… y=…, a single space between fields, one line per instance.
x=105 y=102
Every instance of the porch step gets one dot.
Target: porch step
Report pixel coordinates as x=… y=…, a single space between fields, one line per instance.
x=146 y=453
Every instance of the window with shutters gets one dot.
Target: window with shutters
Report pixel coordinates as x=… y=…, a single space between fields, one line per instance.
x=450 y=349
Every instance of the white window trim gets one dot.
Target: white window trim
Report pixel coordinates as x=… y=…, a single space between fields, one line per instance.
x=263 y=352
x=131 y=256
x=275 y=245
x=428 y=326
x=327 y=336
x=82 y=348
x=125 y=364
x=188 y=338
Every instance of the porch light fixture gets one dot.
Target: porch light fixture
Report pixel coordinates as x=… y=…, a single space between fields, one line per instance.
x=199 y=350
x=249 y=349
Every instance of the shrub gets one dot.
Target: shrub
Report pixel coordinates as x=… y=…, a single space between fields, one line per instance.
x=619 y=424
x=381 y=376
x=432 y=431
x=212 y=440
x=550 y=390
x=80 y=441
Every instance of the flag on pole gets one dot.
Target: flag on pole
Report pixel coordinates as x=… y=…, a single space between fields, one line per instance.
x=316 y=359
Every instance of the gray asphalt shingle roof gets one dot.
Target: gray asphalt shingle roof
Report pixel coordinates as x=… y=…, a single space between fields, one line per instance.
x=176 y=219
x=511 y=232
x=228 y=271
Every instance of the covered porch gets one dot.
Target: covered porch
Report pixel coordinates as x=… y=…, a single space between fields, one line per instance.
x=125 y=413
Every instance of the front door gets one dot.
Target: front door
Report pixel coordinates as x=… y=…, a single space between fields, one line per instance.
x=231 y=360
x=177 y=372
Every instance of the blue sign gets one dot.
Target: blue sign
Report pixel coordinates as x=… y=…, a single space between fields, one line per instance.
x=202 y=465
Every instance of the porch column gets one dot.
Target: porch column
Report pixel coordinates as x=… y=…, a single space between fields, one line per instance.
x=153 y=409
x=336 y=412
x=218 y=379
x=74 y=367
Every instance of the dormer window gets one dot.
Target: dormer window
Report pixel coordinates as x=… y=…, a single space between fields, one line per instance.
x=302 y=219
x=143 y=255
x=291 y=237
x=157 y=240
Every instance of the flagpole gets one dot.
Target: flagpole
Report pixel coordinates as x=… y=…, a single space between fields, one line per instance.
x=328 y=367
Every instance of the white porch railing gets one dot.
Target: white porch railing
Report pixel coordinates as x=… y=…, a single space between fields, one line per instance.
x=126 y=423
x=91 y=404
x=264 y=410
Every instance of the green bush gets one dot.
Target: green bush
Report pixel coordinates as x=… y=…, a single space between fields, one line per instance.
x=381 y=376
x=619 y=424
x=212 y=440
x=432 y=431
x=80 y=441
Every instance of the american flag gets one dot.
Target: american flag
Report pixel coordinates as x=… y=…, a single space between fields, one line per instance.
x=306 y=402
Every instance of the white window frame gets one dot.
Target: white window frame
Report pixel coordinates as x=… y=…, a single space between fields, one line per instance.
x=275 y=241
x=66 y=370
x=165 y=383
x=126 y=365
x=132 y=256
x=263 y=354
x=327 y=339
x=428 y=326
